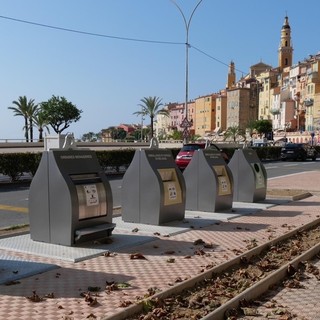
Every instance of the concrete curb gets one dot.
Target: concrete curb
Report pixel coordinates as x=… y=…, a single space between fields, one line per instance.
x=296 y=197
x=262 y=286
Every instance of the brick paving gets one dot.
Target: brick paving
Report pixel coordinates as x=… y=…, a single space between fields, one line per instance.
x=167 y=258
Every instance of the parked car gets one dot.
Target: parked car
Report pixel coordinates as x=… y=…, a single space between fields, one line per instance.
x=298 y=151
x=260 y=143
x=185 y=154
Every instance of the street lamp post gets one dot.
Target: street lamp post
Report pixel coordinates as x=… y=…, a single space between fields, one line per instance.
x=141 y=137
x=186 y=124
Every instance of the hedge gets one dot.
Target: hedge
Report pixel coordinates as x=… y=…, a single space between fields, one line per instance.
x=15 y=164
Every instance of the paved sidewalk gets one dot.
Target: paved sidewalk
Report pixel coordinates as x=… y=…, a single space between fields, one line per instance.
x=65 y=280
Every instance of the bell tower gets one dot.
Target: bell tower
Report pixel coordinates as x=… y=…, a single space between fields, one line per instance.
x=231 y=76
x=285 y=51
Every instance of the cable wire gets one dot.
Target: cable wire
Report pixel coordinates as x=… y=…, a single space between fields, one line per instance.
x=113 y=37
x=90 y=33
x=213 y=58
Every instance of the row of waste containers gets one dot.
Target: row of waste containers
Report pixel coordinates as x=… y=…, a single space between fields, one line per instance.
x=70 y=198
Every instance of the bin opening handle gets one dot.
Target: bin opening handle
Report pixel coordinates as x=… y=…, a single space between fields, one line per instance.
x=69 y=142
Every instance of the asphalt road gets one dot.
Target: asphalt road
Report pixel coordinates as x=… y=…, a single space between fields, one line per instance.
x=14 y=201
x=283 y=168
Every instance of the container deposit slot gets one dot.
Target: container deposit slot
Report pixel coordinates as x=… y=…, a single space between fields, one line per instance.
x=91 y=194
x=172 y=190
x=224 y=185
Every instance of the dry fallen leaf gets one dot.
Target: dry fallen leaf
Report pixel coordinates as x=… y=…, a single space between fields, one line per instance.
x=35 y=297
x=249 y=311
x=169 y=252
x=199 y=252
x=125 y=303
x=109 y=254
x=92 y=301
x=198 y=242
x=137 y=256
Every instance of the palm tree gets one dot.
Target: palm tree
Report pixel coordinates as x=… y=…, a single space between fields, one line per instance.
x=234 y=132
x=150 y=106
x=21 y=109
x=31 y=113
x=41 y=123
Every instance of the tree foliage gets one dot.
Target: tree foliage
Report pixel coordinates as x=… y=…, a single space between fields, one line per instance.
x=176 y=135
x=26 y=109
x=91 y=137
x=41 y=124
x=234 y=133
x=151 y=107
x=116 y=133
x=60 y=113
x=263 y=126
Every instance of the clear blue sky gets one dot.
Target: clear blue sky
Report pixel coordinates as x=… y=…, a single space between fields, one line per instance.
x=106 y=77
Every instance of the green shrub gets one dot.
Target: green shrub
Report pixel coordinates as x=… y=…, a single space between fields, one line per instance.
x=115 y=158
x=31 y=162
x=15 y=164
x=268 y=153
x=12 y=165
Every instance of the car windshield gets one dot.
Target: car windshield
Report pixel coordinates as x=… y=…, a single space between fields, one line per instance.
x=191 y=147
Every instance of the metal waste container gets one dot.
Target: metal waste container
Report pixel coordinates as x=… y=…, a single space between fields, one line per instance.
x=153 y=188
x=249 y=176
x=70 y=199
x=209 y=184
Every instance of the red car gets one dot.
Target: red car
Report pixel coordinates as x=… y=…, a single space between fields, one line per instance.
x=185 y=154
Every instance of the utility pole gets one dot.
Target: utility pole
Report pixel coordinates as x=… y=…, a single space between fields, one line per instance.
x=186 y=124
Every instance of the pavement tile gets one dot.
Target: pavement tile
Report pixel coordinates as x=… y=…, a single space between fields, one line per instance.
x=167 y=258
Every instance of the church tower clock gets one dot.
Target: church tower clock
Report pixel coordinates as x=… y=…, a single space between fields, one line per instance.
x=285 y=51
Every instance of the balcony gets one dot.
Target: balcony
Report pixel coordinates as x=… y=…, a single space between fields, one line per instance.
x=275 y=111
x=308 y=102
x=313 y=77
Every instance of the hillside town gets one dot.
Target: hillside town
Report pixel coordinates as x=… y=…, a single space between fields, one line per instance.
x=287 y=95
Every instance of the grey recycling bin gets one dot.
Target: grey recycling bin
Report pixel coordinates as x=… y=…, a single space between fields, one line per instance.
x=70 y=198
x=209 y=185
x=249 y=175
x=153 y=188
